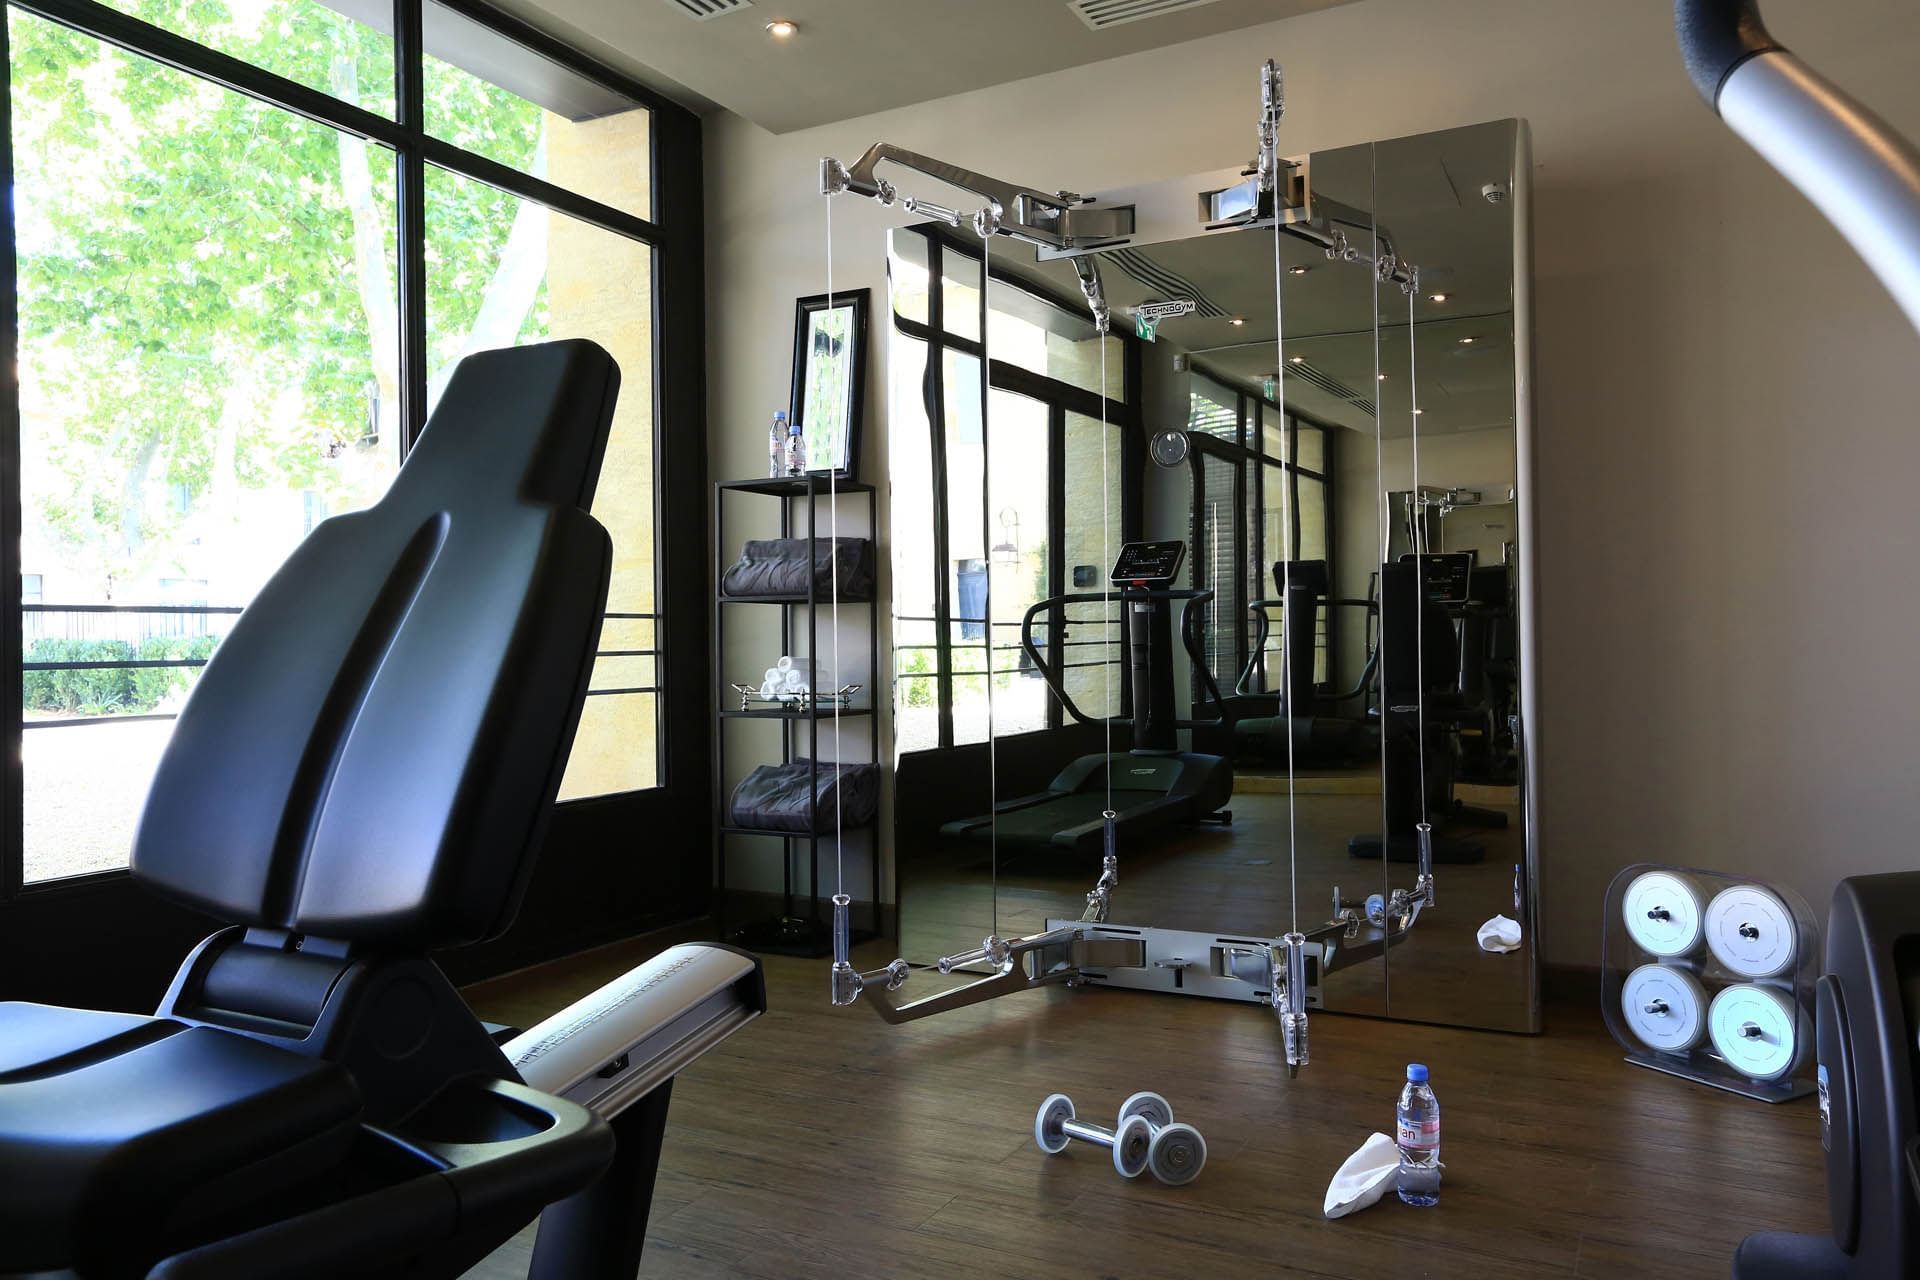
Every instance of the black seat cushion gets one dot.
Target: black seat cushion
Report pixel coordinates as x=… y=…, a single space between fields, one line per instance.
x=112 y=1126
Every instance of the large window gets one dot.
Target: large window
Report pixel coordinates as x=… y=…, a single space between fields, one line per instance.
x=219 y=345
x=1042 y=525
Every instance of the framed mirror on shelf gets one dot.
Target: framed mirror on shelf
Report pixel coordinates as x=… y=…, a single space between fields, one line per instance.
x=829 y=374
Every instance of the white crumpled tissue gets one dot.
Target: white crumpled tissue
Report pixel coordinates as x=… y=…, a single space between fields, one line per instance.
x=1364 y=1178
x=1500 y=934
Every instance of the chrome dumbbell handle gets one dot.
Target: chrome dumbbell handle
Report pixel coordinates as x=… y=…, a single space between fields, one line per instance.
x=1055 y=1125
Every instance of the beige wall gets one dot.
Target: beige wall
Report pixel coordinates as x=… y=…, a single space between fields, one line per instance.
x=1725 y=398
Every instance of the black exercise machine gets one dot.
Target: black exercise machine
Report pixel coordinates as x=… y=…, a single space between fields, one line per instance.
x=363 y=775
x=1155 y=785
x=1866 y=179
x=1419 y=726
x=1262 y=721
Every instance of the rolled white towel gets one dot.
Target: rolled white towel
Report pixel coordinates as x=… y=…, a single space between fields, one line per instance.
x=796 y=682
x=790 y=663
x=774 y=675
x=770 y=688
x=1499 y=935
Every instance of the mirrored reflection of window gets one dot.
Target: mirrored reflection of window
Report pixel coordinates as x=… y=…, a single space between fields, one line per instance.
x=528 y=274
x=158 y=500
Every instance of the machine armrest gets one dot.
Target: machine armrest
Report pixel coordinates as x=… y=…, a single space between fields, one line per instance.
x=615 y=1046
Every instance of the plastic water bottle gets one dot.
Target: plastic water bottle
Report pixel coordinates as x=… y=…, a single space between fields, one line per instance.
x=777 y=444
x=1419 y=1137
x=796 y=452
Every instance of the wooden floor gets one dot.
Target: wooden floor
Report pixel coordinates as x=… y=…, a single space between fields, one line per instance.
x=820 y=1142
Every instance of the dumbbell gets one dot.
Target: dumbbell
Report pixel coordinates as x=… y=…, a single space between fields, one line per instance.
x=1145 y=1137
x=1178 y=1152
x=1131 y=1142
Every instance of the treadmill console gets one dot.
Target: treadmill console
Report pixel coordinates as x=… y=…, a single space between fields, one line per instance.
x=1445 y=576
x=1148 y=564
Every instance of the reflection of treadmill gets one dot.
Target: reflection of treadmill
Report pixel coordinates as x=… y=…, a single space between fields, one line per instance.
x=1155 y=785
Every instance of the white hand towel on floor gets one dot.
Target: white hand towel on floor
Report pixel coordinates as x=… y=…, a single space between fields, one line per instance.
x=1364 y=1178
x=1500 y=934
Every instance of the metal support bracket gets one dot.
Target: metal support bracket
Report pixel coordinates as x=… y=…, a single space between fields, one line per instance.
x=1060 y=955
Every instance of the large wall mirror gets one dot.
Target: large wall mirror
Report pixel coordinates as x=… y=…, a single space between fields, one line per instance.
x=1352 y=503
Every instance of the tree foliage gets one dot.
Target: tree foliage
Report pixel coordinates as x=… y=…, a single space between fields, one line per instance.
x=206 y=283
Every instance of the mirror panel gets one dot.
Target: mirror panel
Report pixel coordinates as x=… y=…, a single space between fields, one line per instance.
x=1018 y=493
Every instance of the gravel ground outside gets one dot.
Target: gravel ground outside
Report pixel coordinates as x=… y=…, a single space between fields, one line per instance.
x=85 y=785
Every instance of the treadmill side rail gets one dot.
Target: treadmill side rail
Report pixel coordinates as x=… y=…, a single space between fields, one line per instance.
x=616 y=1045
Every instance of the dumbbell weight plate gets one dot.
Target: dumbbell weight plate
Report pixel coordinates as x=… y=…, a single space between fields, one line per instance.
x=1150 y=1106
x=1054 y=1112
x=1178 y=1154
x=1133 y=1147
x=1662 y=913
x=1751 y=931
x=1665 y=1007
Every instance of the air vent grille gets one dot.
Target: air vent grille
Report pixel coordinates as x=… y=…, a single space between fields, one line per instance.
x=1101 y=14
x=1329 y=384
x=701 y=10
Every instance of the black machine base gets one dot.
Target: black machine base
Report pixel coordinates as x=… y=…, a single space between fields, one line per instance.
x=1446 y=849
x=791 y=936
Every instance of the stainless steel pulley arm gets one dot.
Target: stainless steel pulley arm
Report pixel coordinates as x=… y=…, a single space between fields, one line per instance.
x=1848 y=161
x=1051 y=220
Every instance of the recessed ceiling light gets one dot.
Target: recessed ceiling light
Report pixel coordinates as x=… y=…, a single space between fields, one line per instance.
x=1437 y=297
x=1299 y=270
x=1467 y=341
x=1236 y=322
x=780 y=28
x=1418 y=412
x=1296 y=359
x=1382 y=377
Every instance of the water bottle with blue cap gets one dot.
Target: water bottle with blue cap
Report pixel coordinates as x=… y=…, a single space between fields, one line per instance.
x=1419 y=1137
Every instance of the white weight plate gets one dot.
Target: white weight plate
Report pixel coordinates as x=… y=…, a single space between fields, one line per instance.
x=1756 y=1029
x=1662 y=913
x=1665 y=1008
x=1751 y=931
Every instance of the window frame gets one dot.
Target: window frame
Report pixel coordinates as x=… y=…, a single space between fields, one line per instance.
x=675 y=237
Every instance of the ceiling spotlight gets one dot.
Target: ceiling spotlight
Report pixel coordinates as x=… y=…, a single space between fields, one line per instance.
x=1382 y=377
x=1418 y=412
x=1436 y=297
x=1298 y=270
x=1468 y=341
x=780 y=28
x=1236 y=322
x=1296 y=359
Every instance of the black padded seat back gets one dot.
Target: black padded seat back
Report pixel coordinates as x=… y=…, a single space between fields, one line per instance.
x=370 y=755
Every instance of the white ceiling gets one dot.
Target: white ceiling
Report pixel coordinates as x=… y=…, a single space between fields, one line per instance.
x=853 y=57
x=1427 y=189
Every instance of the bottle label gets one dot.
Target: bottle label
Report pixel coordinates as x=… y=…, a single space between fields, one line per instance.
x=1421 y=1135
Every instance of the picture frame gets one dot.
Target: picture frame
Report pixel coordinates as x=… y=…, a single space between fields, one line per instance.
x=827 y=399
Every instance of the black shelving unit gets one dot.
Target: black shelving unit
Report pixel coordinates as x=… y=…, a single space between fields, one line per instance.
x=804 y=924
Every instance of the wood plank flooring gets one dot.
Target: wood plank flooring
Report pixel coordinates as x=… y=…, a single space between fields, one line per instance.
x=820 y=1142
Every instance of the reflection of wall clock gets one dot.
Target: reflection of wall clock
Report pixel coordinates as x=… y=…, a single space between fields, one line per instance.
x=1170 y=448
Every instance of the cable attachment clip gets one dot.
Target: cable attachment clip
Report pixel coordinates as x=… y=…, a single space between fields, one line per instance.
x=848 y=982
x=1289 y=985
x=1100 y=897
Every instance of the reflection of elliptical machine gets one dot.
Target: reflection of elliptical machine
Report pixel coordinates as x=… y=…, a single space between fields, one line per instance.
x=1264 y=719
x=1419 y=726
x=1155 y=784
